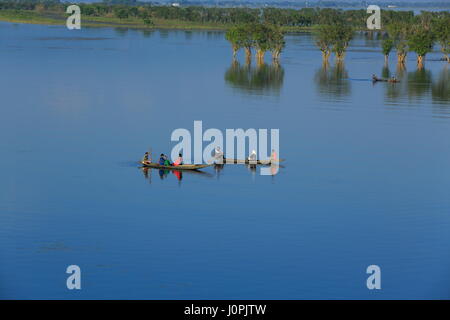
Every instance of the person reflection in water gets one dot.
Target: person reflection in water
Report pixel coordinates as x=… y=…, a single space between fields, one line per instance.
x=163 y=173
x=178 y=174
x=145 y=172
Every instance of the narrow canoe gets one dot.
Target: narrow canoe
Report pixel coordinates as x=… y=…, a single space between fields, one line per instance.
x=246 y=161
x=385 y=80
x=180 y=167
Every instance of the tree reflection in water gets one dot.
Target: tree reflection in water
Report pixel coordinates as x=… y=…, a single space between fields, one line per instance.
x=440 y=93
x=440 y=89
x=333 y=80
x=417 y=84
x=121 y=32
x=394 y=90
x=263 y=79
x=147 y=33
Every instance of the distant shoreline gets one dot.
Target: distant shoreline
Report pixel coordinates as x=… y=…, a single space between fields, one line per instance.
x=107 y=22
x=147 y=17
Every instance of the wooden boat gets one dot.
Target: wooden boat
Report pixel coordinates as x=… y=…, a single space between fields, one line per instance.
x=385 y=80
x=180 y=167
x=246 y=161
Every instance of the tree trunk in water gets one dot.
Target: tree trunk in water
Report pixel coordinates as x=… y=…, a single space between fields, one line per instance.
x=400 y=69
x=235 y=50
x=325 y=56
x=248 y=54
x=340 y=56
x=276 y=64
x=260 y=56
x=401 y=57
x=420 y=61
x=276 y=55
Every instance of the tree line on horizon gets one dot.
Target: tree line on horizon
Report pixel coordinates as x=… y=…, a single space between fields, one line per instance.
x=283 y=17
x=262 y=29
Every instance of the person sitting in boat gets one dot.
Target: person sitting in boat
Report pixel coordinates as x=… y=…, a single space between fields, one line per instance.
x=218 y=154
x=166 y=161
x=274 y=156
x=374 y=78
x=179 y=160
x=252 y=156
x=162 y=159
x=145 y=158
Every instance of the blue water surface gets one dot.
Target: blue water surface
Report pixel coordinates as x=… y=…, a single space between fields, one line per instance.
x=366 y=178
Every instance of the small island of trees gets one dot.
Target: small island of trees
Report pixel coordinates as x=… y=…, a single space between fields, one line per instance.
x=261 y=37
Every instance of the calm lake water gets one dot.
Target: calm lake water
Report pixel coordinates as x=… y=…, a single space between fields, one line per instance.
x=366 y=178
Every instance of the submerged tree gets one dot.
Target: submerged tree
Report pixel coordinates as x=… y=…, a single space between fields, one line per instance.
x=241 y=36
x=324 y=41
x=421 y=42
x=232 y=35
x=261 y=36
x=398 y=33
x=246 y=38
x=276 y=43
x=341 y=35
x=386 y=46
x=441 y=28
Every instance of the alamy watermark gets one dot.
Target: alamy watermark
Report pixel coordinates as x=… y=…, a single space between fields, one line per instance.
x=374 y=21
x=74 y=20
x=374 y=280
x=235 y=140
x=74 y=280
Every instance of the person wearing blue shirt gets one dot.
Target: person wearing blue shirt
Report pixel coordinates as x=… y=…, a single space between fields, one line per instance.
x=162 y=159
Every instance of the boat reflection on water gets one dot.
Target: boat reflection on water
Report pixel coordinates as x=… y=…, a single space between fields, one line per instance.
x=164 y=173
x=393 y=90
x=263 y=79
x=218 y=168
x=179 y=174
